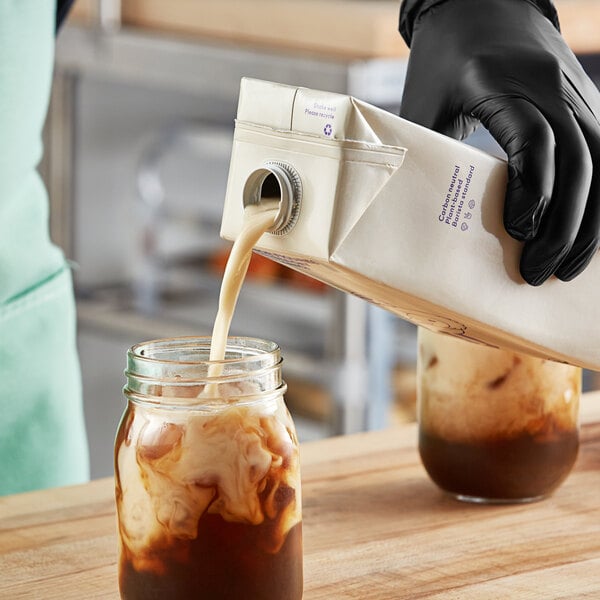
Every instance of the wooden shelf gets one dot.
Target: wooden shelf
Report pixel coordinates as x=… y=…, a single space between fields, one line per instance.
x=349 y=29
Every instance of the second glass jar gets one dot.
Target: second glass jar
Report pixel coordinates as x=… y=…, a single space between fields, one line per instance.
x=494 y=425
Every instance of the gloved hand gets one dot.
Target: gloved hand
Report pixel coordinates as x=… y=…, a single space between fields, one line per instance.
x=504 y=63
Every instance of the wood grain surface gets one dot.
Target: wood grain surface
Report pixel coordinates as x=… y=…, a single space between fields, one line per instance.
x=375 y=527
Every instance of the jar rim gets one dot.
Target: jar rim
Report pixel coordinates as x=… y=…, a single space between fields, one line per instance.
x=175 y=367
x=261 y=347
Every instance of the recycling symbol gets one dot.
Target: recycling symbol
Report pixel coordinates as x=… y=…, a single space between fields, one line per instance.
x=328 y=129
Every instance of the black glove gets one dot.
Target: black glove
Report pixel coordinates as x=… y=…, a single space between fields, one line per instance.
x=504 y=63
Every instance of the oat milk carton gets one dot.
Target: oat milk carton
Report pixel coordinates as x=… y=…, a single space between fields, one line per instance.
x=404 y=217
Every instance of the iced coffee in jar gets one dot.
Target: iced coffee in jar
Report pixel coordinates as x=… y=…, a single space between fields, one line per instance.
x=494 y=425
x=207 y=475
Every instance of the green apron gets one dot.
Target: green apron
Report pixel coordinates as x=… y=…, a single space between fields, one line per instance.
x=42 y=433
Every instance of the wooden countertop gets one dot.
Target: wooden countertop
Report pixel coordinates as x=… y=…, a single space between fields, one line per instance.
x=349 y=29
x=374 y=527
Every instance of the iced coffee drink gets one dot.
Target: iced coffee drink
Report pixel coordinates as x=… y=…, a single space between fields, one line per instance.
x=495 y=425
x=206 y=456
x=207 y=484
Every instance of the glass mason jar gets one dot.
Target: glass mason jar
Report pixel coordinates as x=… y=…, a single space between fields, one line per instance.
x=494 y=425
x=207 y=474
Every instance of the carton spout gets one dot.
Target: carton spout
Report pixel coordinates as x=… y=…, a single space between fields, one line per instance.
x=279 y=182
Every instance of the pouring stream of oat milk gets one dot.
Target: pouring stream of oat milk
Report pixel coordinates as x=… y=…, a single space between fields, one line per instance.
x=267 y=205
x=258 y=218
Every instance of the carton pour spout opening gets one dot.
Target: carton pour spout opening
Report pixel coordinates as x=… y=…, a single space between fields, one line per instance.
x=276 y=181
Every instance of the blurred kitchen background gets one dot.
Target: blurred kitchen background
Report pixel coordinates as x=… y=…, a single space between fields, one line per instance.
x=137 y=152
